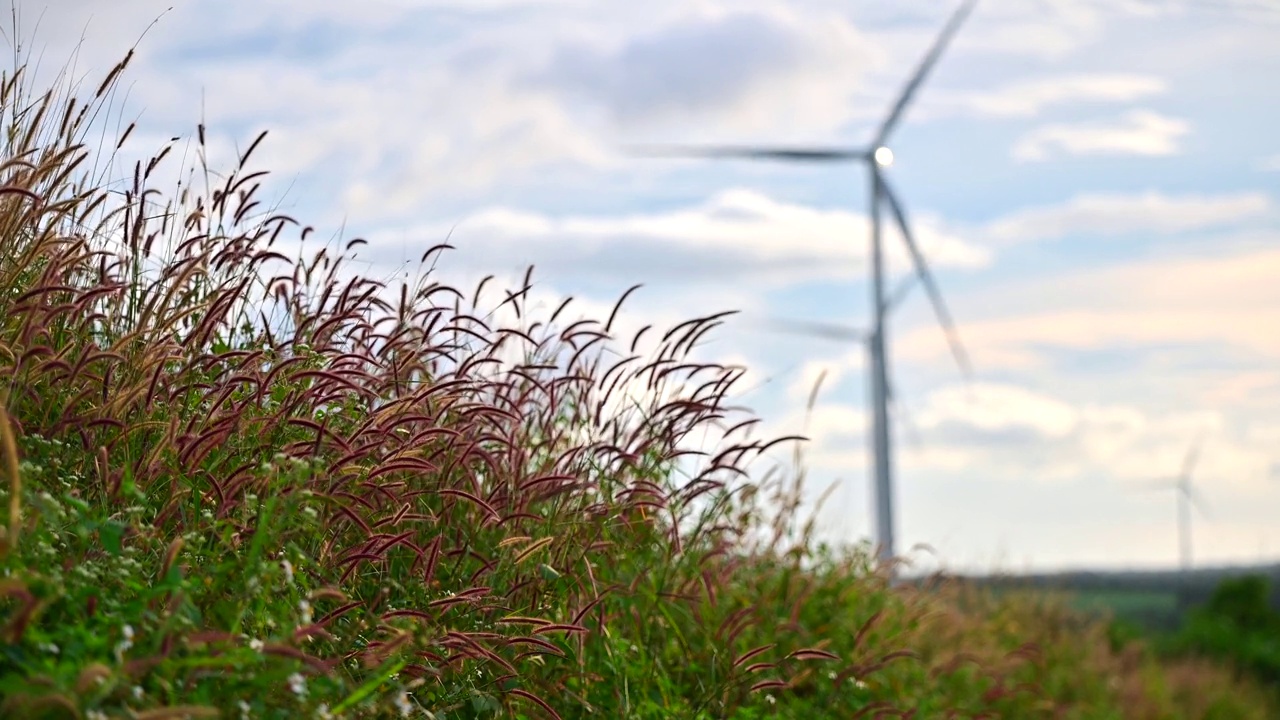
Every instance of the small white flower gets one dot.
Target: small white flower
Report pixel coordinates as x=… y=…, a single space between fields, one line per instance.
x=125 y=643
x=298 y=684
x=137 y=692
x=403 y=705
x=96 y=715
x=770 y=699
x=255 y=645
x=305 y=608
x=244 y=709
x=288 y=570
x=323 y=713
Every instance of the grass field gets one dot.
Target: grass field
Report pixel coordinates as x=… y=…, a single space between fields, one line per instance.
x=1155 y=600
x=1147 y=607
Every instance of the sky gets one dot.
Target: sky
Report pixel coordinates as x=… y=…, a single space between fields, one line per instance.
x=1094 y=183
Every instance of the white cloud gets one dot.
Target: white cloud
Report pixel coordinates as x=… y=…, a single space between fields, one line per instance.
x=1270 y=163
x=1024 y=343
x=1019 y=433
x=738 y=234
x=1030 y=98
x=735 y=69
x=835 y=426
x=1054 y=30
x=992 y=407
x=1110 y=215
x=1048 y=30
x=1167 y=317
x=1213 y=305
x=1140 y=132
x=831 y=371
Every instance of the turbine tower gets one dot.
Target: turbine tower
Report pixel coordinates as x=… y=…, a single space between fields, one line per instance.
x=1187 y=497
x=878 y=156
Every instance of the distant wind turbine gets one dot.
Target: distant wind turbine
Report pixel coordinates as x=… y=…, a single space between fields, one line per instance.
x=1187 y=497
x=877 y=156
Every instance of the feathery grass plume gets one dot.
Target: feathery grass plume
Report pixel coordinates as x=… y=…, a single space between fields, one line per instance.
x=9 y=464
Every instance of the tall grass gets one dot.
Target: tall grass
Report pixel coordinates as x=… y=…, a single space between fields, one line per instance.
x=247 y=482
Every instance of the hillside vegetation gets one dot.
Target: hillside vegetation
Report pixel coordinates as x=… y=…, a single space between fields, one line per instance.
x=242 y=480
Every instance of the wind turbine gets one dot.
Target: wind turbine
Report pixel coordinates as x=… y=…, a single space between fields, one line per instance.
x=877 y=156
x=1187 y=497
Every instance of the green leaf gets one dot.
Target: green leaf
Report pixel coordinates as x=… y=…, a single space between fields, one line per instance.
x=111 y=532
x=483 y=702
x=367 y=689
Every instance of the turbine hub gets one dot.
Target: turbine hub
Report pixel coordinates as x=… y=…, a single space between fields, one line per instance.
x=883 y=156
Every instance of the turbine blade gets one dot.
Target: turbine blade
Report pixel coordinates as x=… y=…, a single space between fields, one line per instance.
x=900 y=293
x=1193 y=455
x=1198 y=502
x=830 y=331
x=926 y=65
x=900 y=412
x=926 y=279
x=744 y=152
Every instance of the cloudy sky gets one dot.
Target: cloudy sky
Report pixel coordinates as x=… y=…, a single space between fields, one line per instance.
x=1094 y=181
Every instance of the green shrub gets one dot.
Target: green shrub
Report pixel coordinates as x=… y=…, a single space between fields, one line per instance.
x=1237 y=625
